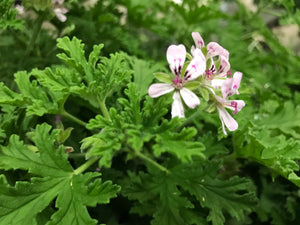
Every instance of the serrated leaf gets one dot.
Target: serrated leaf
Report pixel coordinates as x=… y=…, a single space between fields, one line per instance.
x=143 y=74
x=165 y=195
x=32 y=96
x=37 y=4
x=282 y=120
x=236 y=195
x=48 y=162
x=179 y=144
x=165 y=200
x=8 y=16
x=274 y=152
x=56 y=180
x=79 y=193
x=104 y=144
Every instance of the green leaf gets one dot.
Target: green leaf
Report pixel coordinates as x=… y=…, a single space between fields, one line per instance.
x=104 y=144
x=179 y=144
x=192 y=85
x=55 y=180
x=37 y=4
x=143 y=74
x=48 y=162
x=163 y=77
x=8 y=16
x=132 y=111
x=235 y=196
x=205 y=93
x=161 y=193
x=282 y=120
x=166 y=196
x=32 y=96
x=275 y=152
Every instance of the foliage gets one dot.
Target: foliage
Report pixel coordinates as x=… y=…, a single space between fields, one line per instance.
x=82 y=142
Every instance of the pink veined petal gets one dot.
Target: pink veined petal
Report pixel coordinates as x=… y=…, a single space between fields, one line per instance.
x=235 y=105
x=189 y=97
x=226 y=88
x=176 y=56
x=214 y=49
x=237 y=77
x=196 y=67
x=177 y=107
x=156 y=90
x=227 y=119
x=240 y=104
x=198 y=39
x=224 y=67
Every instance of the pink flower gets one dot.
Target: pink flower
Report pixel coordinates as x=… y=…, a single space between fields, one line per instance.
x=59 y=10
x=176 y=55
x=229 y=87
x=213 y=74
x=213 y=48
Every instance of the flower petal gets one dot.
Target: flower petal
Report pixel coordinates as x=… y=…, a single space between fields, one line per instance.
x=237 y=77
x=189 y=97
x=196 y=67
x=176 y=56
x=156 y=90
x=227 y=119
x=235 y=105
x=214 y=49
x=224 y=67
x=177 y=107
x=198 y=39
x=60 y=14
x=226 y=88
x=216 y=83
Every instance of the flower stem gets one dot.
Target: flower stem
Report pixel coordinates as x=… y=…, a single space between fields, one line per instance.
x=190 y=119
x=151 y=161
x=104 y=109
x=73 y=118
x=86 y=165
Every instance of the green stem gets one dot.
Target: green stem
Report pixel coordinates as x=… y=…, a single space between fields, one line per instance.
x=189 y=119
x=35 y=34
x=142 y=156
x=76 y=155
x=86 y=165
x=73 y=118
x=104 y=109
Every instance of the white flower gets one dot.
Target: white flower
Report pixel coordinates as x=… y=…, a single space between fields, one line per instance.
x=176 y=57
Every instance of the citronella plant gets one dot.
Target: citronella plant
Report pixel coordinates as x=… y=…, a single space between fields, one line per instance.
x=132 y=118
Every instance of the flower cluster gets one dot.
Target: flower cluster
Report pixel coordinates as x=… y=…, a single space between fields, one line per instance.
x=59 y=10
x=208 y=68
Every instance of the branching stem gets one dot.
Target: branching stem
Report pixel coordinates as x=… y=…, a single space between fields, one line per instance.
x=151 y=161
x=73 y=118
x=104 y=109
x=86 y=165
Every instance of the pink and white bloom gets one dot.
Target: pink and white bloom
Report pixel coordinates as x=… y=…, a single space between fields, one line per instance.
x=214 y=75
x=213 y=48
x=60 y=10
x=176 y=55
x=229 y=87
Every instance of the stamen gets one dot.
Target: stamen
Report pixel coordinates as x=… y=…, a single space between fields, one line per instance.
x=229 y=73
